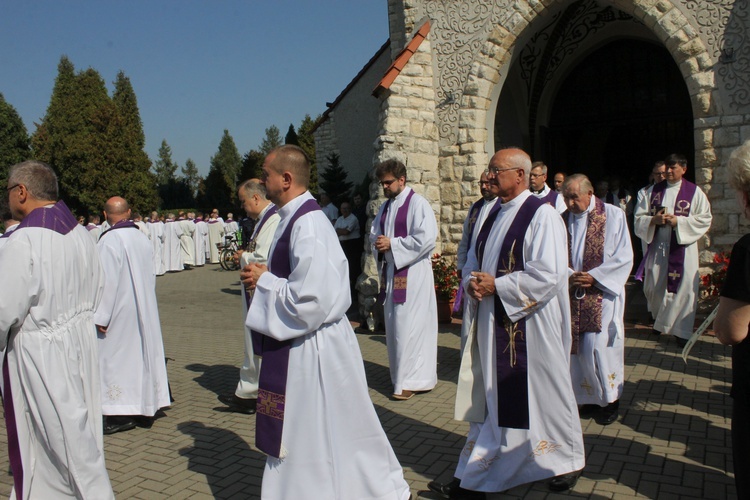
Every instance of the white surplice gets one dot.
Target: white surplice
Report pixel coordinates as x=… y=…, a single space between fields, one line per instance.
x=157 y=242
x=598 y=369
x=53 y=284
x=247 y=387
x=215 y=235
x=172 y=247
x=230 y=227
x=144 y=229
x=411 y=327
x=674 y=312
x=498 y=458
x=335 y=445
x=200 y=238
x=468 y=240
x=187 y=244
x=131 y=352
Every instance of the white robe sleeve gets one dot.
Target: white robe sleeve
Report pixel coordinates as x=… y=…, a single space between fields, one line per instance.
x=21 y=286
x=545 y=270
x=614 y=271
x=288 y=308
x=420 y=242
x=112 y=261
x=691 y=228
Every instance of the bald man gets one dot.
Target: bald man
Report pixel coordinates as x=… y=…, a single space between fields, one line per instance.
x=131 y=351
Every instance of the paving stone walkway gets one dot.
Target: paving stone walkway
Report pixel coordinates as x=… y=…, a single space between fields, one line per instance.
x=673 y=439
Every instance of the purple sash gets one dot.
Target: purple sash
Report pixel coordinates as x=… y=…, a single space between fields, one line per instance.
x=676 y=263
x=257 y=338
x=510 y=338
x=476 y=207
x=269 y=422
x=56 y=218
x=400 y=230
x=586 y=312
x=550 y=197
x=120 y=225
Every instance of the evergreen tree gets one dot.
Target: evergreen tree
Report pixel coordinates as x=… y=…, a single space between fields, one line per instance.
x=291 y=136
x=252 y=163
x=334 y=181
x=190 y=176
x=307 y=143
x=137 y=183
x=14 y=140
x=225 y=169
x=164 y=167
x=271 y=141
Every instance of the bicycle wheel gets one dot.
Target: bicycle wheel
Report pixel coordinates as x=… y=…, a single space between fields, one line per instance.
x=226 y=259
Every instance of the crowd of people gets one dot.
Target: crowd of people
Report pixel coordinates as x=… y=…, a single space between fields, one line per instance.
x=542 y=339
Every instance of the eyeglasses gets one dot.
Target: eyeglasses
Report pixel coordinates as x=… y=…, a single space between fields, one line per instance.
x=387 y=183
x=534 y=176
x=495 y=170
x=14 y=186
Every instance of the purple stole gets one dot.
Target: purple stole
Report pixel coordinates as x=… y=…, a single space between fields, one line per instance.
x=57 y=218
x=676 y=263
x=510 y=338
x=400 y=230
x=476 y=207
x=586 y=313
x=120 y=225
x=269 y=422
x=550 y=197
x=258 y=337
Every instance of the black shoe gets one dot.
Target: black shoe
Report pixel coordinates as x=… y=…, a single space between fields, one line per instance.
x=238 y=404
x=681 y=342
x=564 y=482
x=113 y=424
x=143 y=421
x=588 y=411
x=608 y=414
x=453 y=490
x=654 y=331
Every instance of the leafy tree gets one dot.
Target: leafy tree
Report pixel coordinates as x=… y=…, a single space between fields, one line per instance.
x=222 y=176
x=307 y=143
x=164 y=167
x=271 y=141
x=14 y=140
x=190 y=175
x=252 y=163
x=291 y=136
x=334 y=181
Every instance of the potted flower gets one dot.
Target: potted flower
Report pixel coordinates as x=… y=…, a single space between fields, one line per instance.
x=445 y=275
x=711 y=283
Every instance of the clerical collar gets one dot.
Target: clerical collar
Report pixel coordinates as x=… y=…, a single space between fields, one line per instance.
x=673 y=184
x=537 y=192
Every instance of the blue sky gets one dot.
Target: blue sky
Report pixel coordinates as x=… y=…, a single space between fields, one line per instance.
x=197 y=67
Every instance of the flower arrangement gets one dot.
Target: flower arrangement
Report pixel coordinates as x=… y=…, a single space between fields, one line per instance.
x=712 y=282
x=446 y=279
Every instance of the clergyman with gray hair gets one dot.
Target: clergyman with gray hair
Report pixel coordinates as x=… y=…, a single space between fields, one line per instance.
x=51 y=386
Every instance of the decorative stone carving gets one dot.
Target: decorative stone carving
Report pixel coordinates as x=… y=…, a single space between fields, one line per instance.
x=734 y=59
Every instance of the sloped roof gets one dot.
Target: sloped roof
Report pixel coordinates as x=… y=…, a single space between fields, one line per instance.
x=354 y=81
x=400 y=62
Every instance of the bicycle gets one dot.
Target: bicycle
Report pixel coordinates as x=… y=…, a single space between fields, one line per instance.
x=227 y=252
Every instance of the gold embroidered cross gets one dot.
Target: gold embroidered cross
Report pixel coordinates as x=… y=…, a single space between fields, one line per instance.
x=674 y=275
x=587 y=387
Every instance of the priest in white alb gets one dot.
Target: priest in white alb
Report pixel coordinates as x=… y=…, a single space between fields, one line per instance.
x=315 y=419
x=601 y=257
x=50 y=390
x=215 y=236
x=403 y=236
x=156 y=227
x=131 y=350
x=673 y=216
x=187 y=243
x=200 y=238
x=514 y=382
x=173 y=261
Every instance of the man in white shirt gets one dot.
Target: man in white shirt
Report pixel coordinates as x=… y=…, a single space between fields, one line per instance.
x=328 y=207
x=347 y=229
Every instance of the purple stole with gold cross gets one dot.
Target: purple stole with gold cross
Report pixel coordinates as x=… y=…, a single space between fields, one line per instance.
x=269 y=422
x=56 y=218
x=676 y=262
x=586 y=312
x=510 y=338
x=400 y=230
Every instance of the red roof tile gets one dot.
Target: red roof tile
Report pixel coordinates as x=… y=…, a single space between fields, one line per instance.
x=400 y=62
